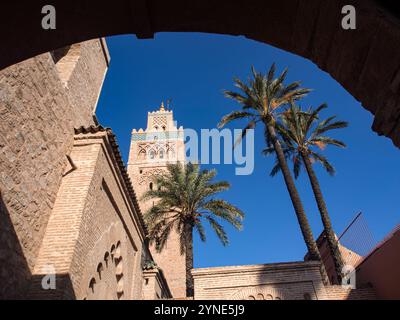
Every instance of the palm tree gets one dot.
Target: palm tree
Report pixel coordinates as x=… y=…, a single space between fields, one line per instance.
x=302 y=133
x=261 y=101
x=185 y=198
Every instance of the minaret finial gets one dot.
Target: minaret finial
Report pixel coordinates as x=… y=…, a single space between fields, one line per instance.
x=162 y=108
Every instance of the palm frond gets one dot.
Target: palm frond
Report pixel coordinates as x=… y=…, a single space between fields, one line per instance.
x=264 y=94
x=268 y=151
x=297 y=164
x=186 y=191
x=329 y=141
x=324 y=161
x=236 y=115
x=219 y=230
x=313 y=116
x=299 y=131
x=226 y=211
x=331 y=126
x=245 y=131
x=275 y=169
x=202 y=233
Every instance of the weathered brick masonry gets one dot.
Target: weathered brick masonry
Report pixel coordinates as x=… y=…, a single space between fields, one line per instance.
x=64 y=204
x=278 y=281
x=95 y=238
x=39 y=108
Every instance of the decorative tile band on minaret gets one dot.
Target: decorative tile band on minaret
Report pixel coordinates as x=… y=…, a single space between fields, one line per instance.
x=161 y=142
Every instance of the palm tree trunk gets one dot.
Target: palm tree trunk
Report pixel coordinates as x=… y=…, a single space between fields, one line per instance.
x=189 y=261
x=330 y=235
x=294 y=196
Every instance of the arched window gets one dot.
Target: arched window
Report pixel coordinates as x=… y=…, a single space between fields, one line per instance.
x=171 y=153
x=117 y=254
x=92 y=283
x=112 y=252
x=106 y=258
x=161 y=154
x=260 y=296
x=100 y=269
x=151 y=186
x=142 y=155
x=164 y=128
x=152 y=154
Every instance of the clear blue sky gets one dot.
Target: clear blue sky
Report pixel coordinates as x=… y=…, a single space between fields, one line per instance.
x=193 y=69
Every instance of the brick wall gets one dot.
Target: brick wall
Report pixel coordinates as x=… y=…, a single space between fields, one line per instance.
x=339 y=293
x=281 y=281
x=273 y=281
x=93 y=236
x=154 y=287
x=380 y=268
x=38 y=113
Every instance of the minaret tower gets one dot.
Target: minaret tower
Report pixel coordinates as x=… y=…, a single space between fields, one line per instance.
x=151 y=150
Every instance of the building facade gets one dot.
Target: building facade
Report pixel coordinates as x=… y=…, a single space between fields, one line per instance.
x=152 y=149
x=276 y=281
x=70 y=223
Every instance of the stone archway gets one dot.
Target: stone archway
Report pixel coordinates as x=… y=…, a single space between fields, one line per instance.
x=365 y=61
